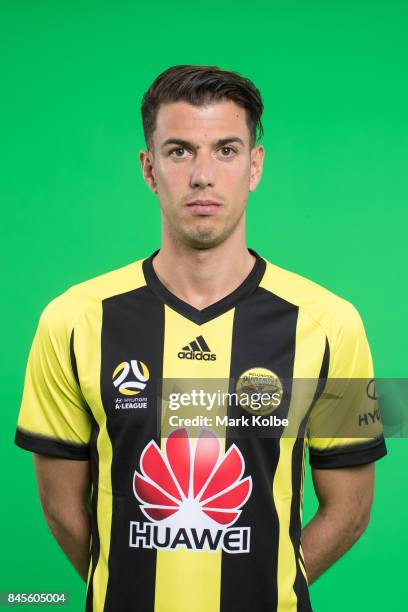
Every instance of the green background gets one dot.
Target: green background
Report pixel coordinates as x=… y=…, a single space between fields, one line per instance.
x=331 y=205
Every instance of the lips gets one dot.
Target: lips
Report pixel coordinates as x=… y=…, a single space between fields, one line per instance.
x=203 y=206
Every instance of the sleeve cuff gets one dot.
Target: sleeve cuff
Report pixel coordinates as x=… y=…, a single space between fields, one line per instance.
x=347 y=456
x=46 y=445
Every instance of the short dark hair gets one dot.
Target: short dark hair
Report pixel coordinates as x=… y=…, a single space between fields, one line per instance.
x=199 y=85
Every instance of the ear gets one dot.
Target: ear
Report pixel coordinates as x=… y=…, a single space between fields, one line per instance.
x=147 y=164
x=257 y=157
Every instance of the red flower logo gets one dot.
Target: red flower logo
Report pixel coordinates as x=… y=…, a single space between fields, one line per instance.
x=189 y=485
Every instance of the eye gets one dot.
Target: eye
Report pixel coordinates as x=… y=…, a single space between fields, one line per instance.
x=227 y=151
x=178 y=152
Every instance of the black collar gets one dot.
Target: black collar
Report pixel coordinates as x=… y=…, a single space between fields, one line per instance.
x=249 y=284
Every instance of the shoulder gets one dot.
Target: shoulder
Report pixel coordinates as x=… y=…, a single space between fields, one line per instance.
x=335 y=314
x=61 y=313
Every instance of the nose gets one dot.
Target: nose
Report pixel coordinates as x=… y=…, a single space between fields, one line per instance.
x=203 y=174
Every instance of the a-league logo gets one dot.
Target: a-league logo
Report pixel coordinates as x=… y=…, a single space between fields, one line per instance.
x=130 y=377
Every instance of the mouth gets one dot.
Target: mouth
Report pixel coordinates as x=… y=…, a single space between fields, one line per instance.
x=204 y=207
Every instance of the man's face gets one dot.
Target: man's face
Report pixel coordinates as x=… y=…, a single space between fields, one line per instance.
x=202 y=168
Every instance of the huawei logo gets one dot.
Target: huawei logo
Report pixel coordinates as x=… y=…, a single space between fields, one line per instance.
x=197 y=483
x=192 y=494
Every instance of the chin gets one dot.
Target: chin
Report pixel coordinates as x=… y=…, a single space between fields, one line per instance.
x=205 y=240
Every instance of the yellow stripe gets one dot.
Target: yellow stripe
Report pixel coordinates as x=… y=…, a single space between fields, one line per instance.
x=90 y=564
x=301 y=505
x=88 y=345
x=282 y=494
x=310 y=343
x=191 y=580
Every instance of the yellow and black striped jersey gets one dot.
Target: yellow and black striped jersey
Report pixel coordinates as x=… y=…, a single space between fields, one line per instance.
x=187 y=516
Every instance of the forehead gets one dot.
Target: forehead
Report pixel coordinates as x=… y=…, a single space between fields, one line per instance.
x=211 y=121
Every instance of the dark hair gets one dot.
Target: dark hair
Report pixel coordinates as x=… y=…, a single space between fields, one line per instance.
x=199 y=85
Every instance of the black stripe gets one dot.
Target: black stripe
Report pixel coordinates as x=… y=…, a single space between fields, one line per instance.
x=194 y=346
x=295 y=527
x=263 y=336
x=95 y=549
x=47 y=445
x=348 y=455
x=324 y=371
x=74 y=367
x=73 y=358
x=203 y=344
x=132 y=328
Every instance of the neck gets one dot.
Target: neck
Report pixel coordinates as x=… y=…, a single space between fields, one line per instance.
x=202 y=277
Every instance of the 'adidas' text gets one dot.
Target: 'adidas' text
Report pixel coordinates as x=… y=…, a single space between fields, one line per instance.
x=197 y=349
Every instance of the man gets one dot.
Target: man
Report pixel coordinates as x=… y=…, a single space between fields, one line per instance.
x=190 y=518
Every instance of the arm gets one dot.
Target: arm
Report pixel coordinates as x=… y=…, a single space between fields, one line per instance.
x=64 y=488
x=345 y=496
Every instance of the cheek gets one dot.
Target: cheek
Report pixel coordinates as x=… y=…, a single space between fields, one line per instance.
x=238 y=177
x=171 y=178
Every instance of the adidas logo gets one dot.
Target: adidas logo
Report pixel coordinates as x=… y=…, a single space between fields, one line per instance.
x=197 y=349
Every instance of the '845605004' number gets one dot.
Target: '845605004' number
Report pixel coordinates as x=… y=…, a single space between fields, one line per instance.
x=33 y=598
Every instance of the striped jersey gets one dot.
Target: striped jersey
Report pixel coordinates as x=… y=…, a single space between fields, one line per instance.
x=196 y=505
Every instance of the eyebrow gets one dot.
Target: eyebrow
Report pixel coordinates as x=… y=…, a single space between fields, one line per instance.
x=185 y=143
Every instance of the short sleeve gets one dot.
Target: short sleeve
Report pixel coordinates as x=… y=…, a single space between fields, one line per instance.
x=345 y=426
x=54 y=418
